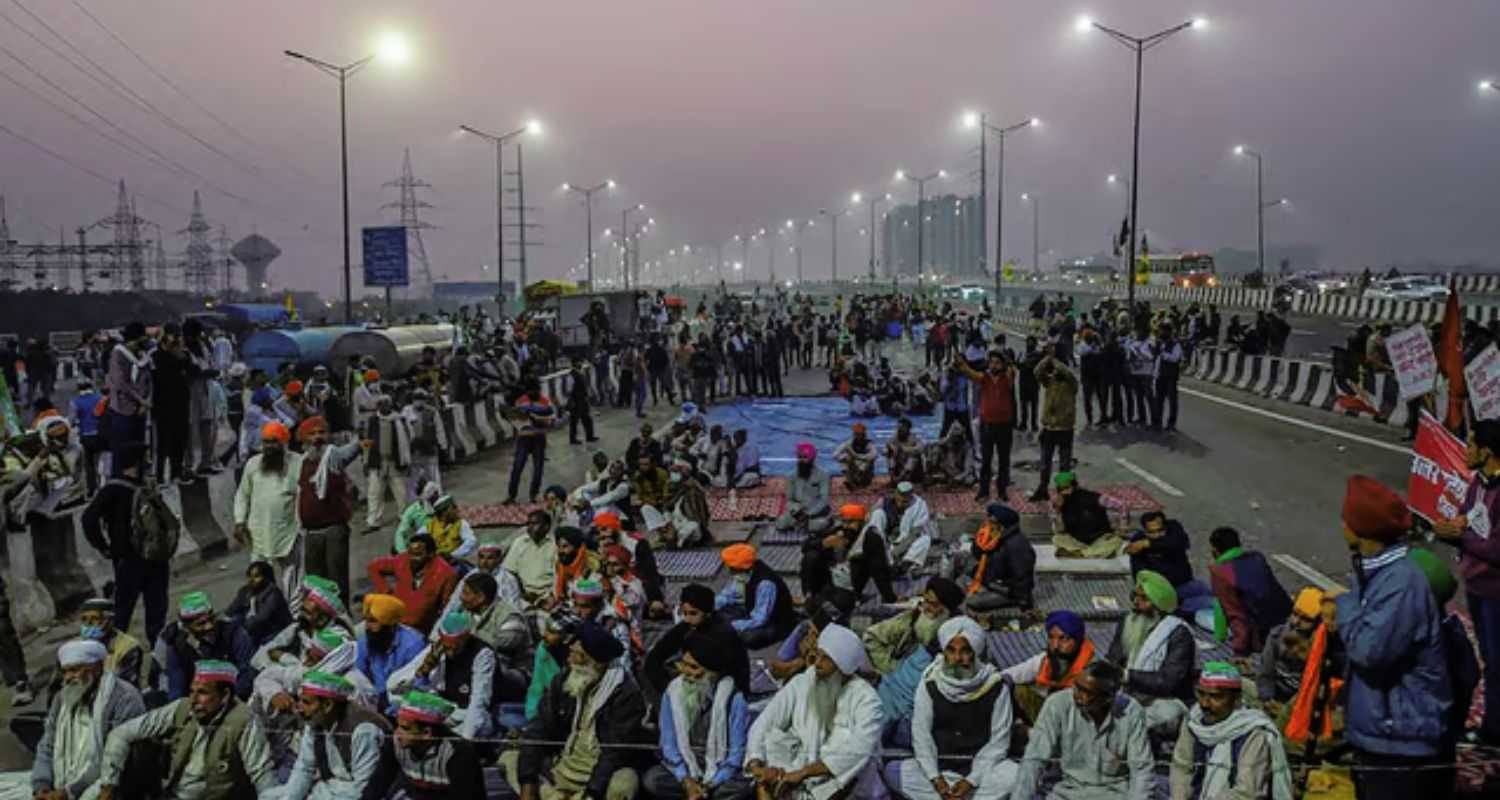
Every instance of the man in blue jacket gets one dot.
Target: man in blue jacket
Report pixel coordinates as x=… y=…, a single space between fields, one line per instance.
x=1398 y=692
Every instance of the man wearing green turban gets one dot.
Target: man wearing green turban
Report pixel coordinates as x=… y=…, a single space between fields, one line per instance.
x=1159 y=653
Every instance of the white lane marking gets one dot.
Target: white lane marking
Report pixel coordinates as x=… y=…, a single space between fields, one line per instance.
x=1149 y=478
x=1320 y=355
x=1301 y=567
x=1300 y=332
x=1301 y=423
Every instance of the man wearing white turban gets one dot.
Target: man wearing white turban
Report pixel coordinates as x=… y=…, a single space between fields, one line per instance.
x=818 y=736
x=92 y=702
x=960 y=727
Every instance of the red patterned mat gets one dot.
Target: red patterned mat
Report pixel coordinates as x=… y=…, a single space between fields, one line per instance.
x=498 y=516
x=949 y=501
x=745 y=508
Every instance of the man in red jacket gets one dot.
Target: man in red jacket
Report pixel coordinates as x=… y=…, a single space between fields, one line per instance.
x=420 y=581
x=997 y=419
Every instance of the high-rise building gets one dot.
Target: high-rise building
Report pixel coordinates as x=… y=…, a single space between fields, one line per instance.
x=953 y=243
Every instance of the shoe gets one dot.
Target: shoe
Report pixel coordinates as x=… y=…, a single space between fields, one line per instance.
x=572 y=441
x=982 y=496
x=1038 y=496
x=594 y=439
x=23 y=695
x=509 y=501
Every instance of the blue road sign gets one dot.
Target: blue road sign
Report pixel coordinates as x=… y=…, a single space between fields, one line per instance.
x=385 y=256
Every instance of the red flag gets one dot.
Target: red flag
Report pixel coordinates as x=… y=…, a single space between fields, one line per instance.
x=1450 y=356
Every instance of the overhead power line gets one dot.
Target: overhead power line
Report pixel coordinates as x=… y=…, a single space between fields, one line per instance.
x=82 y=168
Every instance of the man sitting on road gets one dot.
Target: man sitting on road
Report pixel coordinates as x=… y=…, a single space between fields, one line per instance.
x=1249 y=598
x=961 y=724
x=449 y=530
x=1081 y=526
x=125 y=656
x=343 y=752
x=1053 y=669
x=1096 y=735
x=822 y=727
x=435 y=764
x=809 y=495
x=857 y=457
x=386 y=645
x=999 y=567
x=756 y=600
x=704 y=725
x=1162 y=545
x=595 y=709
x=422 y=581
x=201 y=634
x=90 y=705
x=741 y=464
x=215 y=748
x=905 y=521
x=460 y=668
x=903 y=455
x=905 y=645
x=320 y=610
x=1225 y=749
x=1159 y=653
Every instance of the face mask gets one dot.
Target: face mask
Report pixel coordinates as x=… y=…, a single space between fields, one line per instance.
x=95 y=632
x=676 y=477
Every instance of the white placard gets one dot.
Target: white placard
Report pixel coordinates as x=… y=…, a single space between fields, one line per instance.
x=1483 y=378
x=1413 y=360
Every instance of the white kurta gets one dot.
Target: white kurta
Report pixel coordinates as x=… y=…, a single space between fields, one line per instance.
x=788 y=735
x=266 y=503
x=992 y=774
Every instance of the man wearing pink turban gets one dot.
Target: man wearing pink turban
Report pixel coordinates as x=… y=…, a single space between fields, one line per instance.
x=809 y=495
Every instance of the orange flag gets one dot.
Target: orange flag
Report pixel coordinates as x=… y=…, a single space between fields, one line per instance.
x=1450 y=356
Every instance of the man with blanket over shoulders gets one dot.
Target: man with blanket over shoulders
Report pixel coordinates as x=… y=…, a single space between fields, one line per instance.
x=960 y=728
x=818 y=736
x=705 y=725
x=1159 y=654
x=1226 y=751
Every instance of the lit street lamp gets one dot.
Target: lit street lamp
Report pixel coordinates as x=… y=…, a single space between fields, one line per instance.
x=392 y=49
x=588 y=204
x=500 y=141
x=1260 y=205
x=1139 y=45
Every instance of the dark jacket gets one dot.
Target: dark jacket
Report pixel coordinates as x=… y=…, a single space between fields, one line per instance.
x=1084 y=517
x=263 y=614
x=1252 y=600
x=232 y=644
x=107 y=522
x=617 y=723
x=1178 y=673
x=670 y=645
x=1010 y=569
x=1167 y=555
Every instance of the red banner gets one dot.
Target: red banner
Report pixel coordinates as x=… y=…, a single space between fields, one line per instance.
x=1439 y=472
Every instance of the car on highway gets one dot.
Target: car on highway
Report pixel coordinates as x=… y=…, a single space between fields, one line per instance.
x=1401 y=289
x=1431 y=285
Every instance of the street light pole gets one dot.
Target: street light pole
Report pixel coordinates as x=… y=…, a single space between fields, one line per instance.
x=833 y=238
x=500 y=141
x=625 y=241
x=921 y=215
x=1036 y=226
x=588 y=204
x=341 y=73
x=1139 y=45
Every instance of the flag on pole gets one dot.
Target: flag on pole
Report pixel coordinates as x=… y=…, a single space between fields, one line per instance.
x=1450 y=356
x=1124 y=237
x=291 y=308
x=1143 y=264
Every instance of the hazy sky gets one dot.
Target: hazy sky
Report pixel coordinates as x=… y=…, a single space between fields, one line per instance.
x=723 y=116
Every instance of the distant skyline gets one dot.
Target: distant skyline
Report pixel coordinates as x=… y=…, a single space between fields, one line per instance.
x=729 y=117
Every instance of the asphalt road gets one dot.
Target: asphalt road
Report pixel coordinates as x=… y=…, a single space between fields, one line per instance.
x=1275 y=472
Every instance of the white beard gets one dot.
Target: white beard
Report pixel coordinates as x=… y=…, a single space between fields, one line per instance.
x=581 y=679
x=927 y=627
x=960 y=672
x=825 y=698
x=694 y=695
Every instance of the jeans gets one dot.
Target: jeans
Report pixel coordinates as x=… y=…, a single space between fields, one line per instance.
x=1486 y=616
x=1028 y=412
x=123 y=430
x=12 y=657
x=640 y=398
x=702 y=391
x=661 y=384
x=1165 y=395
x=528 y=446
x=1116 y=393
x=326 y=554
x=171 y=446
x=580 y=417
x=995 y=441
x=1140 y=399
x=1060 y=442
x=1093 y=392
x=147 y=581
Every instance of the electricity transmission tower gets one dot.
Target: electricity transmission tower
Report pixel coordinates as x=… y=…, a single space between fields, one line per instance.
x=411 y=206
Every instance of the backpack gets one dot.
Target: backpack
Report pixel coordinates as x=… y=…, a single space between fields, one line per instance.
x=154 y=528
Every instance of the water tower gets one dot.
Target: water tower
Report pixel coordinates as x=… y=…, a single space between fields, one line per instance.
x=256 y=253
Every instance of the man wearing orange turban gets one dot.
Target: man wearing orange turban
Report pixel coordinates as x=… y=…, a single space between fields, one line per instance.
x=265 y=507
x=757 y=600
x=325 y=502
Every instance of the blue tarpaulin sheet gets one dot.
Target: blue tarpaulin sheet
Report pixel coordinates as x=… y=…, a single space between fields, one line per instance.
x=777 y=425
